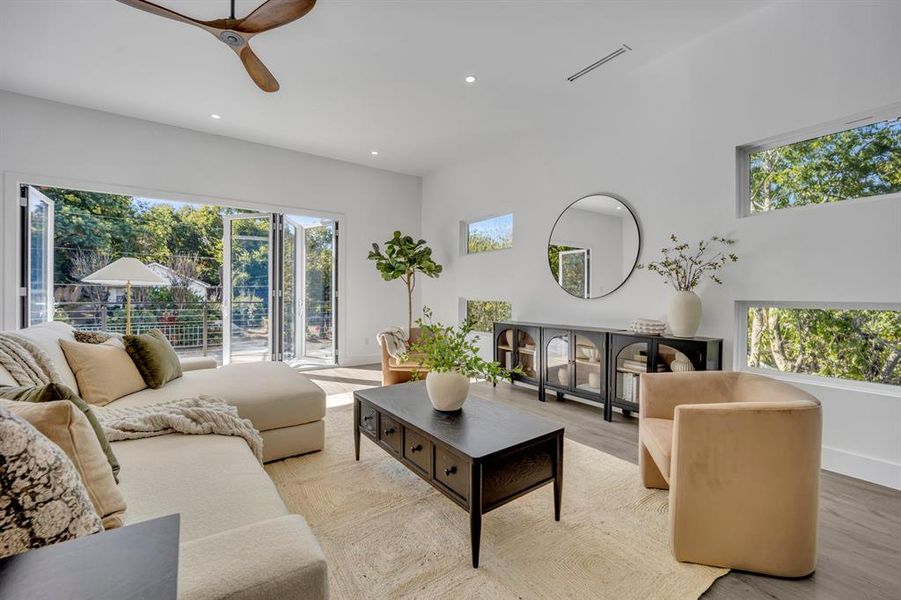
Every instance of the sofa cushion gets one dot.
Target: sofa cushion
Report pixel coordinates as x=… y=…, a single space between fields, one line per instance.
x=214 y=481
x=67 y=427
x=47 y=336
x=278 y=558
x=270 y=394
x=104 y=371
x=657 y=436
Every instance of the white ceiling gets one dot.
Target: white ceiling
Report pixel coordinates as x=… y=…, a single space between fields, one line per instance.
x=356 y=75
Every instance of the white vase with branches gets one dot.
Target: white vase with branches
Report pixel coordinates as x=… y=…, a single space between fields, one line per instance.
x=683 y=267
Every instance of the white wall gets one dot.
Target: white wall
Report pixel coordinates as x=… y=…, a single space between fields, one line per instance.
x=664 y=138
x=49 y=143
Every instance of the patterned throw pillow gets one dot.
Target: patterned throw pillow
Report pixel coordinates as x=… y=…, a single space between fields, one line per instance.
x=93 y=337
x=42 y=498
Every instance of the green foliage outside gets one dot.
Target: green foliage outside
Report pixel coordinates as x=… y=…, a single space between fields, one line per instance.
x=574 y=272
x=860 y=345
x=482 y=314
x=453 y=349
x=849 y=164
x=495 y=233
x=403 y=258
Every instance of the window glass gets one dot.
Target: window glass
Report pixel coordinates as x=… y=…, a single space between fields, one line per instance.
x=483 y=313
x=855 y=163
x=495 y=233
x=858 y=344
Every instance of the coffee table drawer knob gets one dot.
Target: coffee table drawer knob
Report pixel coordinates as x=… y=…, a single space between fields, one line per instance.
x=368 y=417
x=389 y=430
x=416 y=448
x=450 y=471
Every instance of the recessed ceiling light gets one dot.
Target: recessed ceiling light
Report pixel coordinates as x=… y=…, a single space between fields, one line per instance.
x=215 y=116
x=619 y=208
x=374 y=153
x=470 y=79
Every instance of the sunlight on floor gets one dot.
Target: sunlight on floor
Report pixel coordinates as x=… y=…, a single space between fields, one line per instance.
x=340 y=383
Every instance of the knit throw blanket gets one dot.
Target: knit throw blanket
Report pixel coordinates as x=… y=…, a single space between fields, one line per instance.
x=395 y=339
x=25 y=361
x=197 y=416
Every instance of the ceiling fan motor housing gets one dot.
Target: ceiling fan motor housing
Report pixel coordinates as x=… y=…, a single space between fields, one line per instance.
x=232 y=38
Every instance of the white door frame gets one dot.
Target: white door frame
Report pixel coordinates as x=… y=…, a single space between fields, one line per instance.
x=227 y=281
x=586 y=265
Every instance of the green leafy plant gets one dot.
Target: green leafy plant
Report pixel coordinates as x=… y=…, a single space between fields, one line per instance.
x=445 y=349
x=683 y=267
x=403 y=258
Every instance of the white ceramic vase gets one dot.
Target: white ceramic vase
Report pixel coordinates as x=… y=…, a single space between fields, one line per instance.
x=684 y=314
x=447 y=390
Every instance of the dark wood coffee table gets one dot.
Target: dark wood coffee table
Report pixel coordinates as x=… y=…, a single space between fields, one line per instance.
x=481 y=458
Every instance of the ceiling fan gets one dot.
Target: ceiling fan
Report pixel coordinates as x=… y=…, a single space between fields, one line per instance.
x=236 y=33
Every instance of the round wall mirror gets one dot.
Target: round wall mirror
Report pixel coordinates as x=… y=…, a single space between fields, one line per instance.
x=594 y=246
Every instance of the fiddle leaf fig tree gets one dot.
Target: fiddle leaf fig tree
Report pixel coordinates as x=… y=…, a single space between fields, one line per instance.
x=402 y=259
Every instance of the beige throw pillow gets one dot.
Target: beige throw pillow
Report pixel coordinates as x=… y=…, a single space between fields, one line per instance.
x=104 y=371
x=63 y=424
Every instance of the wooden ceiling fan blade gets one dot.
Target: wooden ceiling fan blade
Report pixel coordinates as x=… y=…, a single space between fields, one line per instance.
x=274 y=13
x=161 y=11
x=258 y=71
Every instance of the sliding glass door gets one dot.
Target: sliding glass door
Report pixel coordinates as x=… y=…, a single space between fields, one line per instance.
x=36 y=257
x=319 y=260
x=247 y=315
x=279 y=289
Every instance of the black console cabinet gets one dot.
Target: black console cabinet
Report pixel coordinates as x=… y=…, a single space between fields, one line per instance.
x=595 y=364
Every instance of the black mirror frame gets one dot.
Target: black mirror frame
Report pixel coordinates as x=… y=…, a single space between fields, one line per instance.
x=635 y=218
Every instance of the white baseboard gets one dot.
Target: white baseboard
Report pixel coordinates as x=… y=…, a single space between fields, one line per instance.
x=357 y=361
x=870 y=469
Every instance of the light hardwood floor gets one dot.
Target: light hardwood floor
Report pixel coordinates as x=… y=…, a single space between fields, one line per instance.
x=860 y=523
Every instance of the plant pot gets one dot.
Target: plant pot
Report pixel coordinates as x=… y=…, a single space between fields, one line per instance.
x=684 y=314
x=447 y=391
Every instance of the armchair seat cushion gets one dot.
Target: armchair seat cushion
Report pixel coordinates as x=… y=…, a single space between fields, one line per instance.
x=657 y=435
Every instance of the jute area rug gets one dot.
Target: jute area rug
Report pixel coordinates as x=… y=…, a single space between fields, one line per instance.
x=388 y=534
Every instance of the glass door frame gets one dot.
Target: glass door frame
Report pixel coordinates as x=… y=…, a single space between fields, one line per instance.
x=26 y=289
x=274 y=282
x=586 y=268
x=312 y=362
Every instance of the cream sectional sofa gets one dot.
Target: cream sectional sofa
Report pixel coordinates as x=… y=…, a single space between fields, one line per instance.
x=238 y=540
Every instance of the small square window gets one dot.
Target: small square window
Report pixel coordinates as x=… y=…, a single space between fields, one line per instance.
x=495 y=233
x=483 y=313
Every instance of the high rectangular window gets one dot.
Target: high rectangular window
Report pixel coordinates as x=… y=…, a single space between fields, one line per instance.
x=851 y=344
x=495 y=233
x=483 y=313
x=853 y=162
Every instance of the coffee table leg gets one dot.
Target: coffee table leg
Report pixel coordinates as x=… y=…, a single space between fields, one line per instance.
x=475 y=511
x=558 y=479
x=357 y=428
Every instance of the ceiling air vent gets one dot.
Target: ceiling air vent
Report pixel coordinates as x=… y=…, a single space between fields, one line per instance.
x=618 y=52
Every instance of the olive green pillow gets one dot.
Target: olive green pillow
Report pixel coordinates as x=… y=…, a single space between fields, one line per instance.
x=154 y=357
x=53 y=392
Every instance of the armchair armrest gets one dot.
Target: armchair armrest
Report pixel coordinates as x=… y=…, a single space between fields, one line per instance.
x=661 y=393
x=197 y=363
x=745 y=475
x=278 y=558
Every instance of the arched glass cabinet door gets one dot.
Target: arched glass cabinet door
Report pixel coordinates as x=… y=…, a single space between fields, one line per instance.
x=503 y=343
x=527 y=353
x=556 y=359
x=588 y=364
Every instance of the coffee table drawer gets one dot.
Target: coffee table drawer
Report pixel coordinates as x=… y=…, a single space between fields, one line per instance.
x=389 y=433
x=452 y=471
x=418 y=450
x=368 y=418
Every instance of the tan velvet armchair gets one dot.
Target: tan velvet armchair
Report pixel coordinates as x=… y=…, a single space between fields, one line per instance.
x=740 y=456
x=395 y=371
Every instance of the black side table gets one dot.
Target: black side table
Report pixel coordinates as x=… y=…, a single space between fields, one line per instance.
x=138 y=561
